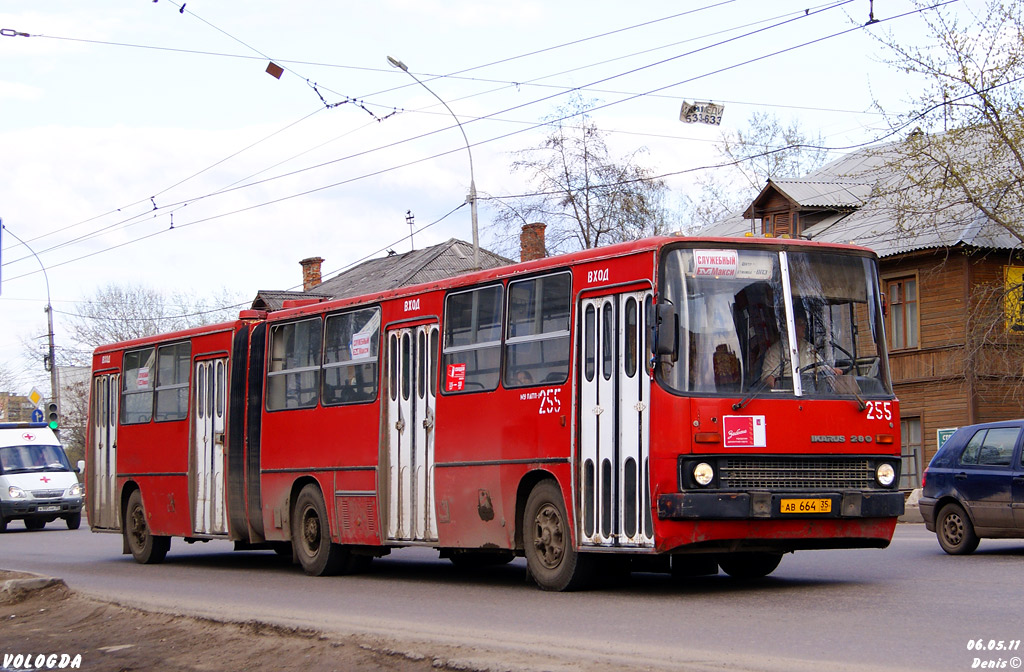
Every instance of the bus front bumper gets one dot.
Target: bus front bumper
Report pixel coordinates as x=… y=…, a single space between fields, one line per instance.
x=731 y=505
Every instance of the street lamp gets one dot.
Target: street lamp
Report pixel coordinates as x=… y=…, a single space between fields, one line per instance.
x=471 y=199
x=54 y=389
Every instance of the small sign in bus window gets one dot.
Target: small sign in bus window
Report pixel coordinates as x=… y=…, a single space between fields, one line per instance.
x=731 y=264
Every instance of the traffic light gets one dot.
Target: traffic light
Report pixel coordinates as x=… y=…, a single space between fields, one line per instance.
x=52 y=417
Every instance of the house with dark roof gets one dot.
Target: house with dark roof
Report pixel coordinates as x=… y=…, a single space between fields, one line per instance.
x=951 y=277
x=448 y=259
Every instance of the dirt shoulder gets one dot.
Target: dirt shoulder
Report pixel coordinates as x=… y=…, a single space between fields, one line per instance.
x=52 y=620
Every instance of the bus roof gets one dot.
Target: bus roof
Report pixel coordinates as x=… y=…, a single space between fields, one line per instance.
x=314 y=305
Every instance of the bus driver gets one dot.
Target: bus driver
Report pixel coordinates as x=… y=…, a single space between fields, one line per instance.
x=776 y=360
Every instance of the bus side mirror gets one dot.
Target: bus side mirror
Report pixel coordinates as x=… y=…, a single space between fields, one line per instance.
x=665 y=331
x=81 y=467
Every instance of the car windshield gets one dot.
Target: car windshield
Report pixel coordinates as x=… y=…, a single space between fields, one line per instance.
x=21 y=459
x=778 y=322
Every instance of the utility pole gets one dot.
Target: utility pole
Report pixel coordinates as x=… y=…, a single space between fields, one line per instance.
x=49 y=362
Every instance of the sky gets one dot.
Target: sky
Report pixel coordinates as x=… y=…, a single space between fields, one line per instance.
x=144 y=142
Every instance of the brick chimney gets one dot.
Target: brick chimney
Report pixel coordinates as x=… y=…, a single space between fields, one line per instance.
x=531 y=242
x=311 y=272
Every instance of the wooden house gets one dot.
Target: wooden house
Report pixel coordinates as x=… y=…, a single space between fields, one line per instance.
x=952 y=281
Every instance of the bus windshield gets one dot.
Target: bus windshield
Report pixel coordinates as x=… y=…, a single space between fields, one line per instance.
x=785 y=323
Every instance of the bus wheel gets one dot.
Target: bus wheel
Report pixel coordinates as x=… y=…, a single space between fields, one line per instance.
x=146 y=548
x=311 y=537
x=551 y=559
x=74 y=521
x=749 y=565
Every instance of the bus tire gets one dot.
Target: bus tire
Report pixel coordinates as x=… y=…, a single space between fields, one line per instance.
x=146 y=547
x=955 y=531
x=311 y=536
x=551 y=558
x=73 y=520
x=749 y=565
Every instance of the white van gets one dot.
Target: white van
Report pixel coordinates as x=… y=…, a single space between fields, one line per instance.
x=37 y=484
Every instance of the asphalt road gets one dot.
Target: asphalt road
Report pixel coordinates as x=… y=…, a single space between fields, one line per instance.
x=906 y=607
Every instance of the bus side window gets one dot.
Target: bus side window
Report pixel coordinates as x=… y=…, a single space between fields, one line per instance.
x=173 y=366
x=137 y=386
x=472 y=340
x=537 y=334
x=293 y=376
x=351 y=348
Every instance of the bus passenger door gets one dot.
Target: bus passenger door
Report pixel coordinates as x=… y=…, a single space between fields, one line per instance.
x=210 y=401
x=614 y=421
x=102 y=495
x=412 y=372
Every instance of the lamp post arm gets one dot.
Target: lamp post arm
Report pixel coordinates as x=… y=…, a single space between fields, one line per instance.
x=472 y=180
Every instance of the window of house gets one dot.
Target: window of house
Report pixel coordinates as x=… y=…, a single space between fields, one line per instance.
x=910 y=450
x=173 y=364
x=472 y=340
x=350 y=357
x=537 y=336
x=903 y=313
x=137 y=386
x=293 y=374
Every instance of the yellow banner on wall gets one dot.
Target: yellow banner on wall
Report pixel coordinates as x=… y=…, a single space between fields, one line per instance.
x=1013 y=298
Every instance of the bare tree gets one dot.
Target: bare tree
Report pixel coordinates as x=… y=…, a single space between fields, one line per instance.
x=584 y=195
x=767 y=148
x=958 y=174
x=119 y=312
x=7 y=379
x=965 y=158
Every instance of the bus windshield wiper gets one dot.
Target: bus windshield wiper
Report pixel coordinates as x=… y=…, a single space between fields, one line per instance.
x=761 y=385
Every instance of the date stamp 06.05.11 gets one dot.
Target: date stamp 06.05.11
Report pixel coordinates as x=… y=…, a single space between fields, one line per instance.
x=995 y=654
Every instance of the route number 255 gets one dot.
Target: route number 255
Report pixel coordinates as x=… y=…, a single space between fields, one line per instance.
x=879 y=410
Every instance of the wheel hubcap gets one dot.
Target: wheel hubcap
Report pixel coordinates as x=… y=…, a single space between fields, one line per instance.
x=311 y=531
x=548 y=537
x=953 y=529
x=138 y=527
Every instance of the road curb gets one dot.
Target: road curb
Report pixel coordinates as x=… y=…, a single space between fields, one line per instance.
x=13 y=588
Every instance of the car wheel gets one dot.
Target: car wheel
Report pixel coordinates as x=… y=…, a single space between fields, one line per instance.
x=34 y=523
x=74 y=521
x=551 y=558
x=146 y=548
x=749 y=565
x=3 y=524
x=954 y=530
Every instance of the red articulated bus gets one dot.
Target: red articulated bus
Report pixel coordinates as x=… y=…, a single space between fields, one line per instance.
x=672 y=404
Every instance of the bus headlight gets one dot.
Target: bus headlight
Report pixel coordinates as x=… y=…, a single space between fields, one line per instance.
x=703 y=473
x=75 y=490
x=885 y=474
x=15 y=492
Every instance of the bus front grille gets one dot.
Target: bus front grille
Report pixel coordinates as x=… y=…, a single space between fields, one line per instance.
x=796 y=474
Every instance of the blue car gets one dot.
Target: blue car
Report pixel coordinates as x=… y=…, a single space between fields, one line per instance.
x=974 y=486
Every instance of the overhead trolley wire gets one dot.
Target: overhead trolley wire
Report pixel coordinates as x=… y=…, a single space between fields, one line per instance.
x=538 y=125
x=262 y=55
